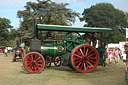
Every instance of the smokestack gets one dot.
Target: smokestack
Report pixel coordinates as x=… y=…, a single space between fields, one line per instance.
x=36 y=21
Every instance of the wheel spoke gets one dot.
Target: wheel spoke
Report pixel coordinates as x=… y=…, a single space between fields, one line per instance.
x=78 y=61
x=35 y=57
x=40 y=64
x=87 y=64
x=78 y=52
x=78 y=65
x=86 y=52
x=90 y=63
x=34 y=68
x=92 y=58
x=90 y=55
x=30 y=66
x=84 y=66
x=89 y=52
x=38 y=61
x=69 y=45
x=77 y=42
x=82 y=52
x=29 y=63
x=77 y=56
x=75 y=38
x=31 y=56
x=69 y=40
x=37 y=67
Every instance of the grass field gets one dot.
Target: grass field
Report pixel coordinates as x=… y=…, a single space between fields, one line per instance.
x=12 y=73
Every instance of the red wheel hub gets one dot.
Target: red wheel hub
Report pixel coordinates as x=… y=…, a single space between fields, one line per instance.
x=33 y=62
x=84 y=58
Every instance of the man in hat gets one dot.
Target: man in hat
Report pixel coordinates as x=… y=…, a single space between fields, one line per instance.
x=126 y=50
x=126 y=69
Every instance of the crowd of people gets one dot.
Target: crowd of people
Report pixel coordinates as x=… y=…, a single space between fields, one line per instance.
x=113 y=55
x=3 y=51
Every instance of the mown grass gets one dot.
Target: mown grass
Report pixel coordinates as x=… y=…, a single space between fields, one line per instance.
x=12 y=73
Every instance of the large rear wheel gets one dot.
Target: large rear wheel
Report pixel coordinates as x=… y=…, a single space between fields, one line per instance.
x=34 y=62
x=84 y=58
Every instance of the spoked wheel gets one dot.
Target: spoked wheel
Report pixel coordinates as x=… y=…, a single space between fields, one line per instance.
x=34 y=62
x=84 y=58
x=47 y=61
x=57 y=61
x=71 y=40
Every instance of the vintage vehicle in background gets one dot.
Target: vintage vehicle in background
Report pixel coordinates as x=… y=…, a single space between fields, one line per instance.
x=18 y=52
x=71 y=50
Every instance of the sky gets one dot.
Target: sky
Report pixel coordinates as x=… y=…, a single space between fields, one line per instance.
x=9 y=8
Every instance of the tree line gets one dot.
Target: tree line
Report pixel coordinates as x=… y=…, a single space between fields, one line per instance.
x=102 y=15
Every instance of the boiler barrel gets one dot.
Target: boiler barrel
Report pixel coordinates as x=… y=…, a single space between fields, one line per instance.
x=52 y=50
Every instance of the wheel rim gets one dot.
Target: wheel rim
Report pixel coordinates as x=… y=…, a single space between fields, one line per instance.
x=57 y=61
x=84 y=58
x=33 y=63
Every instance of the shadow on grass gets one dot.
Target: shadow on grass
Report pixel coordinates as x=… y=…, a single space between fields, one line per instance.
x=62 y=68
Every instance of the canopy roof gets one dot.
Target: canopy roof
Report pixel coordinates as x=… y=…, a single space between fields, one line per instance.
x=71 y=28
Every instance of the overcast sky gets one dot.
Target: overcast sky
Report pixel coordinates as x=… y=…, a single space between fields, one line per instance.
x=9 y=8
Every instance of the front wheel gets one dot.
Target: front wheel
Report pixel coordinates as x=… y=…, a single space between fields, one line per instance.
x=57 y=61
x=34 y=62
x=84 y=58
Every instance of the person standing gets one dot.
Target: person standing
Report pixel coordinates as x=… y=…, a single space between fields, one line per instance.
x=1 y=51
x=126 y=68
x=22 y=44
x=116 y=55
x=110 y=55
x=124 y=58
x=5 y=51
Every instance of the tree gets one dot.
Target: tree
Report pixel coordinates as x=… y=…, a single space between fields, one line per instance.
x=5 y=35
x=51 y=13
x=126 y=16
x=105 y=15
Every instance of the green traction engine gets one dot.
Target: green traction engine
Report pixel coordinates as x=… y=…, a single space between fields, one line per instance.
x=73 y=49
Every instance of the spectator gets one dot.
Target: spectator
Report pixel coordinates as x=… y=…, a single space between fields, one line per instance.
x=5 y=51
x=124 y=58
x=126 y=69
x=110 y=55
x=116 y=55
x=22 y=44
x=94 y=38
x=107 y=52
x=1 y=51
